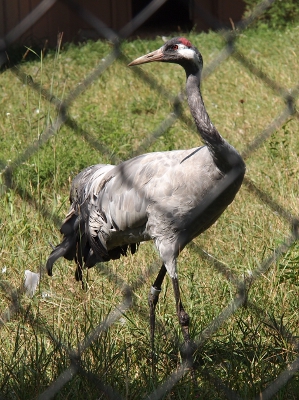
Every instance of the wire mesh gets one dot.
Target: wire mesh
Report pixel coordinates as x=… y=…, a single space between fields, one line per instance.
x=64 y=117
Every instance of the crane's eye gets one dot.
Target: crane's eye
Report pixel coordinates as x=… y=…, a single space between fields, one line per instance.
x=175 y=47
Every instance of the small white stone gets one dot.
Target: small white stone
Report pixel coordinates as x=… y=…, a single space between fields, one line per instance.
x=31 y=282
x=249 y=273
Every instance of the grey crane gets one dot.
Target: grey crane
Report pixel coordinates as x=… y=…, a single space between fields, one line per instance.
x=168 y=197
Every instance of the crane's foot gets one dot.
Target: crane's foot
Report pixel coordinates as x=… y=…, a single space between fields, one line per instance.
x=187 y=351
x=188 y=348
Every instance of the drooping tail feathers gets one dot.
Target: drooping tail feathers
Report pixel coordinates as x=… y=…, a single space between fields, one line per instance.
x=76 y=246
x=78 y=243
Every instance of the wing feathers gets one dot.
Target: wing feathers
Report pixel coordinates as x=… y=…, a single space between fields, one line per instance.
x=111 y=205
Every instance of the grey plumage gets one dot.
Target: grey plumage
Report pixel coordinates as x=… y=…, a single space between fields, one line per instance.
x=156 y=196
x=148 y=197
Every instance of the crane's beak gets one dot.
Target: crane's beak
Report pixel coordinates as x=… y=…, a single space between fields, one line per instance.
x=156 y=55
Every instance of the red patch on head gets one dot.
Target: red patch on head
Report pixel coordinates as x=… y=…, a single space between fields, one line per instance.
x=185 y=42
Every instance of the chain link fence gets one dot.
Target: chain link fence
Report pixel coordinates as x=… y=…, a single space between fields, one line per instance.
x=242 y=286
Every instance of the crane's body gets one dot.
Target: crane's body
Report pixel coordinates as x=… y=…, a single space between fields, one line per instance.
x=150 y=197
x=154 y=196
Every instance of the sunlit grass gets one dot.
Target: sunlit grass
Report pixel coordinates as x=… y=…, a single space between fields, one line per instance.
x=118 y=111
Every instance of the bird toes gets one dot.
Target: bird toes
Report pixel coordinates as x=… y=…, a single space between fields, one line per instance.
x=187 y=350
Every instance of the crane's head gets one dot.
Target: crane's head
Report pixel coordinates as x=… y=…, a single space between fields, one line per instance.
x=176 y=50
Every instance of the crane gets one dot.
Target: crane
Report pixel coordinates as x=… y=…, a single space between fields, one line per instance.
x=169 y=197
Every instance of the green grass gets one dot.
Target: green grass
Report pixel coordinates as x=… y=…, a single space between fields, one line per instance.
x=109 y=121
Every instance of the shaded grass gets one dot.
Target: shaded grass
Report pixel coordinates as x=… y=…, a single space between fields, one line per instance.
x=118 y=111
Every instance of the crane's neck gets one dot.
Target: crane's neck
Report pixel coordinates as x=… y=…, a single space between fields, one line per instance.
x=218 y=147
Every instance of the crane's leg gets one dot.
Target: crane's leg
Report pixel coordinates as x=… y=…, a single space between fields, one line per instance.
x=152 y=301
x=188 y=347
